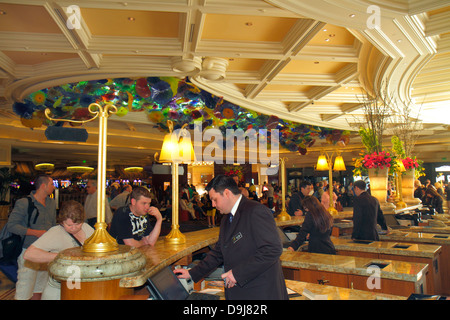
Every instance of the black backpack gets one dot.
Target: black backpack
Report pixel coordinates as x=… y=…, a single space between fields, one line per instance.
x=12 y=244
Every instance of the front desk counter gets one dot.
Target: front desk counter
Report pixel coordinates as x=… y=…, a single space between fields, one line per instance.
x=388 y=276
x=409 y=252
x=164 y=254
x=300 y=290
x=442 y=240
x=311 y=291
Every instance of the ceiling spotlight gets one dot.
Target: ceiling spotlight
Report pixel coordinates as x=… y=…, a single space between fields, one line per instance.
x=327 y=39
x=132 y=19
x=352 y=15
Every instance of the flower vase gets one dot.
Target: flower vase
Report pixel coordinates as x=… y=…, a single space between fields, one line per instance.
x=408 y=179
x=378 y=188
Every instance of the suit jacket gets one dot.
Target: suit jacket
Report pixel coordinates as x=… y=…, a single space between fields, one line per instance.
x=367 y=214
x=295 y=203
x=251 y=247
x=318 y=242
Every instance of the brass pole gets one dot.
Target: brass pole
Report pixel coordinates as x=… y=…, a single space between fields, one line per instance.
x=175 y=236
x=331 y=209
x=283 y=216
x=100 y=241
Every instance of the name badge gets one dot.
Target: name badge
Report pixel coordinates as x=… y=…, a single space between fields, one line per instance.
x=237 y=237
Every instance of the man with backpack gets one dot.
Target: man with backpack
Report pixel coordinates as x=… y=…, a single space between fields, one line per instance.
x=31 y=282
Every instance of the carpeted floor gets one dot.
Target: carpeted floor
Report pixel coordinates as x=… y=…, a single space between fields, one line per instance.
x=7 y=288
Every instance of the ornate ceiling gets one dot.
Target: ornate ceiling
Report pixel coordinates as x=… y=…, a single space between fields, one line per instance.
x=304 y=61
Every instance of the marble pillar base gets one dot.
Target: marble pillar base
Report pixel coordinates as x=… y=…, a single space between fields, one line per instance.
x=75 y=268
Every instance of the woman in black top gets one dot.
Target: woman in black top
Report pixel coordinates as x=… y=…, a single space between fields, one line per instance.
x=318 y=224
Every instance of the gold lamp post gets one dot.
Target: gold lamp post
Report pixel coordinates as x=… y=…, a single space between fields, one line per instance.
x=324 y=162
x=177 y=148
x=399 y=204
x=100 y=241
x=283 y=216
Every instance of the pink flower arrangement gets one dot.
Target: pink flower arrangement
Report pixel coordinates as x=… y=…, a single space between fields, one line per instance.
x=410 y=163
x=379 y=160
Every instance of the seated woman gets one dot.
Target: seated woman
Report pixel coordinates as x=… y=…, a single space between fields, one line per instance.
x=435 y=200
x=71 y=232
x=318 y=224
x=186 y=205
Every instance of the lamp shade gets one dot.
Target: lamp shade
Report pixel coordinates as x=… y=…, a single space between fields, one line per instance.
x=322 y=163
x=170 y=149
x=339 y=164
x=186 y=150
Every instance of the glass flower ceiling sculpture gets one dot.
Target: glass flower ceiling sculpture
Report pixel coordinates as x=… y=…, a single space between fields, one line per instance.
x=166 y=98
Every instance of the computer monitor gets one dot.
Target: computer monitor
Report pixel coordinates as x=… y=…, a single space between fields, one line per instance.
x=165 y=285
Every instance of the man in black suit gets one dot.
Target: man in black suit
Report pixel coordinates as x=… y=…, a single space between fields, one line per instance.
x=249 y=247
x=367 y=214
x=295 y=207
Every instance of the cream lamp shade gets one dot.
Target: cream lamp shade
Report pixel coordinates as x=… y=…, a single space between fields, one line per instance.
x=339 y=164
x=322 y=163
x=186 y=149
x=170 y=150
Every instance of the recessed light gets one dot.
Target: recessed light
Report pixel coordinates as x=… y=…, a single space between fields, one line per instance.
x=131 y=19
x=327 y=39
x=352 y=15
x=325 y=30
x=316 y=62
x=2 y=12
x=249 y=24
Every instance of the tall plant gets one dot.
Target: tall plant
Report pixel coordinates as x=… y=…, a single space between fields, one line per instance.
x=377 y=110
x=406 y=125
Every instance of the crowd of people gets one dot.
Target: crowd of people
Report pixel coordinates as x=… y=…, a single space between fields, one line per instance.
x=135 y=215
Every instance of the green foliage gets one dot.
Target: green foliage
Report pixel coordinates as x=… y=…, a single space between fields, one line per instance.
x=369 y=140
x=397 y=147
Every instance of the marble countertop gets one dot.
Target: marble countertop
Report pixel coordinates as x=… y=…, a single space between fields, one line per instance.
x=414 y=237
x=336 y=293
x=163 y=254
x=319 y=292
x=396 y=270
x=386 y=247
x=428 y=229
